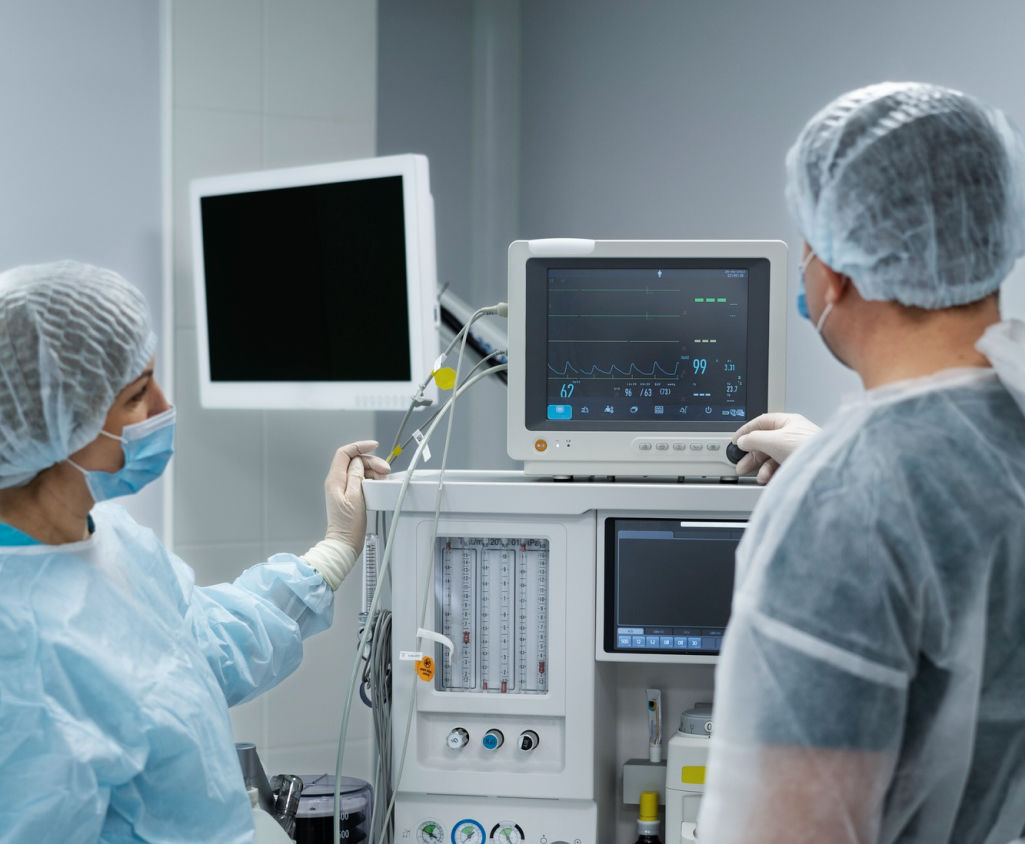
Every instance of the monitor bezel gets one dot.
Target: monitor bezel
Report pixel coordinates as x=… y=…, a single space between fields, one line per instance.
x=421 y=289
x=605 y=633
x=607 y=452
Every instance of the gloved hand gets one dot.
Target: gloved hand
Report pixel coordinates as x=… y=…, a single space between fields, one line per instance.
x=335 y=555
x=770 y=439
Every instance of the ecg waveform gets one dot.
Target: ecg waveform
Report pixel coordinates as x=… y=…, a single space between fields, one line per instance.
x=633 y=371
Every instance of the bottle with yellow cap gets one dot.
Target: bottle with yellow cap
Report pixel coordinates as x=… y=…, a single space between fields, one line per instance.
x=647 y=819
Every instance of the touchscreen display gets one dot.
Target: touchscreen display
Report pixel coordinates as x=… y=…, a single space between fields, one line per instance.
x=647 y=344
x=669 y=584
x=642 y=345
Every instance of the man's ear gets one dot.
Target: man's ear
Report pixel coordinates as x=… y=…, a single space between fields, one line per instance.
x=837 y=285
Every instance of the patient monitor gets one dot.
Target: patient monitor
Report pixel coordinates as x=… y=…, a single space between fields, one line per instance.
x=641 y=357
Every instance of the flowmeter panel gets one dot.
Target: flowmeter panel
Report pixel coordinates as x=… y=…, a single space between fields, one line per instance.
x=492 y=599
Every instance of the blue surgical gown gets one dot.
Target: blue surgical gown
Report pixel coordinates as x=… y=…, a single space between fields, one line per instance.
x=116 y=674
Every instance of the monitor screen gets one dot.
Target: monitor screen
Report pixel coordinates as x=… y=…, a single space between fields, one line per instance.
x=652 y=344
x=641 y=357
x=668 y=585
x=315 y=286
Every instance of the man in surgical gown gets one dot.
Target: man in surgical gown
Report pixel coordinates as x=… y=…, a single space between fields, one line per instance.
x=116 y=670
x=872 y=681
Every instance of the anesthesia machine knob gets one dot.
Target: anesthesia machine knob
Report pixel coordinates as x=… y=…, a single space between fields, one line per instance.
x=528 y=740
x=493 y=739
x=458 y=738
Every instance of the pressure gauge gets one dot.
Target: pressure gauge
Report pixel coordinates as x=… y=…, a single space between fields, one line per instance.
x=467 y=831
x=430 y=832
x=507 y=833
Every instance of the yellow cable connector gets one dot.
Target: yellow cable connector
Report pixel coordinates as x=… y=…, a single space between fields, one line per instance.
x=395 y=452
x=445 y=377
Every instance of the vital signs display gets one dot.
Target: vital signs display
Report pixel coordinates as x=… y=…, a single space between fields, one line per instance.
x=662 y=344
x=641 y=357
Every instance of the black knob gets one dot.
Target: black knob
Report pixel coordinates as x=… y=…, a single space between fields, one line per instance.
x=734 y=452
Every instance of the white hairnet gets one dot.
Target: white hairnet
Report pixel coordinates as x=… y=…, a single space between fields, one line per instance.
x=72 y=336
x=914 y=191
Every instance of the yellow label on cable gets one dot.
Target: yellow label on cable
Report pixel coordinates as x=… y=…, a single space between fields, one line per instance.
x=395 y=452
x=425 y=671
x=693 y=774
x=445 y=377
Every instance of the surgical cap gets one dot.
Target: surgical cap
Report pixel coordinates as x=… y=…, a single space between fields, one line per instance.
x=914 y=191
x=72 y=336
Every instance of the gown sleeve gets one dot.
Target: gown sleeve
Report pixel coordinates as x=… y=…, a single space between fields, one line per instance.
x=813 y=681
x=251 y=631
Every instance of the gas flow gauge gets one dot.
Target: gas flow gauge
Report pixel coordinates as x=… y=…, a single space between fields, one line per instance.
x=492 y=599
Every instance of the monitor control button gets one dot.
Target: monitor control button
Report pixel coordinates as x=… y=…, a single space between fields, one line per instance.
x=696 y=446
x=644 y=446
x=679 y=446
x=662 y=446
x=713 y=446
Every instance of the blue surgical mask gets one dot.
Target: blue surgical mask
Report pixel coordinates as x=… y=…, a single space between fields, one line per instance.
x=147 y=447
x=802 y=303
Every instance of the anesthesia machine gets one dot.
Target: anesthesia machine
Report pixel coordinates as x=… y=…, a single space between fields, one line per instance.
x=533 y=610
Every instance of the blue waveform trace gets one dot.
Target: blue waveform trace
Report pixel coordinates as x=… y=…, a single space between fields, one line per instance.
x=633 y=370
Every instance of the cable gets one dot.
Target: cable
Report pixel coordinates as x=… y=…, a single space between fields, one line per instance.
x=381 y=579
x=498 y=353
x=378 y=674
x=422 y=618
x=479 y=364
x=453 y=324
x=499 y=309
x=387 y=559
x=382 y=768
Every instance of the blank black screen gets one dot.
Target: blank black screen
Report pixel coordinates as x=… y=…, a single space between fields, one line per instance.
x=307 y=283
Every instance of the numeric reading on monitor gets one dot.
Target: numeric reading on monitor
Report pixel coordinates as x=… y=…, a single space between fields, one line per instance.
x=493 y=604
x=647 y=344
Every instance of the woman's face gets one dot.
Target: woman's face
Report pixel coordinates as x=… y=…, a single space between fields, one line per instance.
x=137 y=402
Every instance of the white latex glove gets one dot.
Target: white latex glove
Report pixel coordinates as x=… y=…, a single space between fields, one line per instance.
x=770 y=439
x=335 y=555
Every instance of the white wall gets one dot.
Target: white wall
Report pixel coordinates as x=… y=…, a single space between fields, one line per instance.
x=672 y=119
x=80 y=147
x=260 y=84
x=464 y=115
x=664 y=118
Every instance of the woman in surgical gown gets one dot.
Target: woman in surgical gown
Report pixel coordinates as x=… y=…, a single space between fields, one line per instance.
x=872 y=681
x=116 y=670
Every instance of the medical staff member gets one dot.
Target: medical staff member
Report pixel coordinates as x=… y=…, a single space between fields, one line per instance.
x=116 y=670
x=872 y=682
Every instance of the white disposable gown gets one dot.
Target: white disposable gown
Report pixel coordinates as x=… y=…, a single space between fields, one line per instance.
x=872 y=681
x=116 y=674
